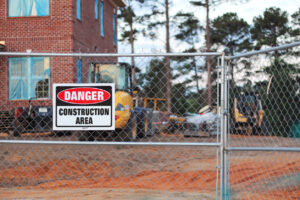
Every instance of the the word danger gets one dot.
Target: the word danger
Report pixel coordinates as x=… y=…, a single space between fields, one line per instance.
x=83 y=95
x=78 y=96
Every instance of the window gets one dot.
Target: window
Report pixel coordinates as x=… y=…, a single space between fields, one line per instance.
x=79 y=68
x=96 y=9
x=78 y=9
x=29 y=78
x=114 y=29
x=110 y=73
x=102 y=18
x=25 y=8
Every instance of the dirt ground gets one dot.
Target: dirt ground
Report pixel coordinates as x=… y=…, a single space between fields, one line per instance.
x=145 y=173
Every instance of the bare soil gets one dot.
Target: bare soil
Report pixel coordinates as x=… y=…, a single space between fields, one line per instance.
x=145 y=173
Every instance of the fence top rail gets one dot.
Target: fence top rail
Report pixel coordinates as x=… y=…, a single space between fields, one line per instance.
x=288 y=149
x=109 y=54
x=212 y=144
x=282 y=47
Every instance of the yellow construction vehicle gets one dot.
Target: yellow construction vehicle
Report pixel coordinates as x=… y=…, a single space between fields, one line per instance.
x=130 y=122
x=162 y=120
x=160 y=117
x=248 y=114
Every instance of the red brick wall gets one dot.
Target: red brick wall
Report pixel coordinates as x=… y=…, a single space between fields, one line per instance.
x=87 y=37
x=87 y=30
x=58 y=32
x=41 y=34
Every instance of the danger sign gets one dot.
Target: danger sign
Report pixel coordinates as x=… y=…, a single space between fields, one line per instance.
x=83 y=107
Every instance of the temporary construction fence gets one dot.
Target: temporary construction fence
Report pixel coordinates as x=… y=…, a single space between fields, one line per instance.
x=263 y=107
x=178 y=133
x=159 y=131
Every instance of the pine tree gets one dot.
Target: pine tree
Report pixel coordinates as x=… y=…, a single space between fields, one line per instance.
x=232 y=32
x=188 y=31
x=270 y=27
x=159 y=10
x=129 y=33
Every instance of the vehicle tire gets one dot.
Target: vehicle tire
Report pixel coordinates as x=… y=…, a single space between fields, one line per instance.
x=104 y=135
x=18 y=128
x=171 y=128
x=256 y=130
x=17 y=132
x=58 y=133
x=130 y=132
x=264 y=128
x=233 y=128
x=86 y=136
x=61 y=133
x=144 y=127
x=68 y=133
x=249 y=130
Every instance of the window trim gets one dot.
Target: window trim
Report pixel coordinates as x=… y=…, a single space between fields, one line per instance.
x=96 y=9
x=78 y=10
x=102 y=18
x=29 y=76
x=79 y=70
x=115 y=36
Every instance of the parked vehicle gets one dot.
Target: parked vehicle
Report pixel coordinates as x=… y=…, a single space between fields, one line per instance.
x=176 y=122
x=34 y=119
x=248 y=114
x=205 y=121
x=6 y=118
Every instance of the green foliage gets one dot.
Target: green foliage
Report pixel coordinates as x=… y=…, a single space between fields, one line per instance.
x=129 y=18
x=154 y=19
x=202 y=3
x=178 y=98
x=295 y=31
x=282 y=103
x=188 y=28
x=125 y=35
x=231 y=31
x=154 y=83
x=270 y=27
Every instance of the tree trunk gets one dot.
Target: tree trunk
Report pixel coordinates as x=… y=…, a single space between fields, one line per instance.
x=196 y=74
x=231 y=69
x=208 y=61
x=132 y=58
x=168 y=65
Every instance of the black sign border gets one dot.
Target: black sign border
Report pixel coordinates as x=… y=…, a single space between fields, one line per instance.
x=87 y=85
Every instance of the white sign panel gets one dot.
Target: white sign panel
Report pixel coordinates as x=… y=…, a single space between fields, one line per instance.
x=83 y=106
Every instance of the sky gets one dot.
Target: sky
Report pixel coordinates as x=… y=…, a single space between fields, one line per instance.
x=247 y=11
x=253 y=7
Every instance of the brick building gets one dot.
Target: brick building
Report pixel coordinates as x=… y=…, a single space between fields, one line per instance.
x=61 y=26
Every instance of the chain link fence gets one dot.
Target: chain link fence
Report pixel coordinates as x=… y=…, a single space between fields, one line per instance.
x=263 y=141
x=179 y=135
x=166 y=132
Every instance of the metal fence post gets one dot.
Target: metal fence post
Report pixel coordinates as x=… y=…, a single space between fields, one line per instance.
x=226 y=127
x=223 y=128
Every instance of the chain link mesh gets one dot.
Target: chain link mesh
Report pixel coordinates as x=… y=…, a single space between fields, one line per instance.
x=148 y=116
x=264 y=113
x=263 y=101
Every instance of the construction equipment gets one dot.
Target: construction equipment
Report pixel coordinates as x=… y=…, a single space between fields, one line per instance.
x=131 y=122
x=160 y=117
x=248 y=114
x=205 y=122
x=6 y=118
x=176 y=122
x=34 y=119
